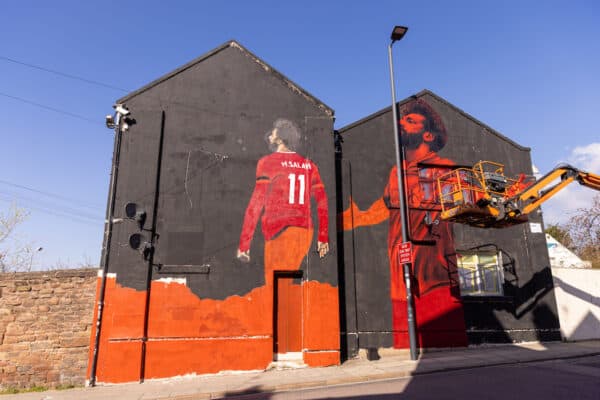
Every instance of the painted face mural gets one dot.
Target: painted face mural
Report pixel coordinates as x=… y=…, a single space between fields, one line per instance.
x=412 y=127
x=423 y=134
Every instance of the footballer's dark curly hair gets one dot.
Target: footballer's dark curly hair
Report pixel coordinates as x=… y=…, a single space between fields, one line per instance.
x=288 y=132
x=433 y=121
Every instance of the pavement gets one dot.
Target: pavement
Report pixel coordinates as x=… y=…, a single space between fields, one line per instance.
x=391 y=364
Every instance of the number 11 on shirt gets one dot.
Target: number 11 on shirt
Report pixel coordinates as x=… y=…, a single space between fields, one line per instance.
x=301 y=180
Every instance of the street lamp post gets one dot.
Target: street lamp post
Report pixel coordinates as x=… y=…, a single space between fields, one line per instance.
x=397 y=34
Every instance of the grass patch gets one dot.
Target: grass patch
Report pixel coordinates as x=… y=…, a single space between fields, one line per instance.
x=24 y=390
x=65 y=387
x=12 y=390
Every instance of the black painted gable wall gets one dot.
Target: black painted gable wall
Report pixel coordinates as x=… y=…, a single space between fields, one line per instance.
x=213 y=115
x=526 y=312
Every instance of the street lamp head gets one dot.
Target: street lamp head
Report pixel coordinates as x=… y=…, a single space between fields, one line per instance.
x=398 y=33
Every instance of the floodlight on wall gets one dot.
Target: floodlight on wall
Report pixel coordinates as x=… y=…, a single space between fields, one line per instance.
x=110 y=122
x=398 y=33
x=120 y=108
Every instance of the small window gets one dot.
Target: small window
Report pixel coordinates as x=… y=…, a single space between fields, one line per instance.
x=480 y=274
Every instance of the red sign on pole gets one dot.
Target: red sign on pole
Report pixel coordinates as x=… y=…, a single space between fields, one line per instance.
x=405 y=255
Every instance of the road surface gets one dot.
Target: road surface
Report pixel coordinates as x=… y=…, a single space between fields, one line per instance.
x=572 y=379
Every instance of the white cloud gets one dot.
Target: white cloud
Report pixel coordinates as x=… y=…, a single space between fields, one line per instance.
x=566 y=202
x=587 y=157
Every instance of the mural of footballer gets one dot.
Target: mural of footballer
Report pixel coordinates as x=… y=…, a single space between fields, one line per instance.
x=285 y=184
x=423 y=134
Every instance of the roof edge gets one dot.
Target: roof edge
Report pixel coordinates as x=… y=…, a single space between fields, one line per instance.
x=234 y=44
x=442 y=100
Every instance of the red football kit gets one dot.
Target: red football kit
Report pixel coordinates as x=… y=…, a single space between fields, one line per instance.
x=285 y=183
x=440 y=320
x=431 y=262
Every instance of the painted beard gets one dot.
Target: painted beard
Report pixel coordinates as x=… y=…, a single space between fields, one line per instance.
x=272 y=146
x=411 y=141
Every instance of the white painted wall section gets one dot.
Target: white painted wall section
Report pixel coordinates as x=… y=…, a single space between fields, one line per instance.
x=578 y=301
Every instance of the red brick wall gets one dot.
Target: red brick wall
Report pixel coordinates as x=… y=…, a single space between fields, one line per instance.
x=45 y=327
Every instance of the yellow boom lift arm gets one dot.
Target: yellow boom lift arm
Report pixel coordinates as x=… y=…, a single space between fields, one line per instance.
x=483 y=196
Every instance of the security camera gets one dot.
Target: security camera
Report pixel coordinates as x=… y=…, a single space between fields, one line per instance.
x=121 y=109
x=110 y=122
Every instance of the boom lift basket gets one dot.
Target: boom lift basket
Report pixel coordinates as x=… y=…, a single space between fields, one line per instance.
x=477 y=196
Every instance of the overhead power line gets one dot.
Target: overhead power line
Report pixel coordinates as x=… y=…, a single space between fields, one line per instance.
x=56 y=110
x=81 y=218
x=48 y=194
x=63 y=74
x=220 y=112
x=29 y=202
x=47 y=204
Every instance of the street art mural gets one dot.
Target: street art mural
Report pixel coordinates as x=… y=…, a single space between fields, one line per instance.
x=286 y=182
x=235 y=268
x=285 y=317
x=440 y=320
x=236 y=265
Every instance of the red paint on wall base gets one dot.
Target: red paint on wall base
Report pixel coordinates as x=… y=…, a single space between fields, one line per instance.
x=119 y=361
x=166 y=358
x=119 y=350
x=322 y=358
x=321 y=317
x=189 y=335
x=439 y=320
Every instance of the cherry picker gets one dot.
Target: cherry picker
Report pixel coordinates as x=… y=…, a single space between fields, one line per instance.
x=484 y=196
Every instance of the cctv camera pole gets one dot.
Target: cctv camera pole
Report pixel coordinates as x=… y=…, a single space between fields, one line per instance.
x=397 y=34
x=107 y=239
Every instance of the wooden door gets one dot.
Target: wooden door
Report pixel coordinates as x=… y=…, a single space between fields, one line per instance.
x=288 y=313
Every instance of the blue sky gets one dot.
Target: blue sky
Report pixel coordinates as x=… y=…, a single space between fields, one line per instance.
x=529 y=69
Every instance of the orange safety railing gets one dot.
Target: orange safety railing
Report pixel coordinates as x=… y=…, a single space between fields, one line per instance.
x=485 y=181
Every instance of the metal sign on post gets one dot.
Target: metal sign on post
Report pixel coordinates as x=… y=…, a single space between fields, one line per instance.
x=405 y=255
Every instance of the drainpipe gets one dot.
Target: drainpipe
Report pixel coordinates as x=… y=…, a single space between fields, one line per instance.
x=151 y=248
